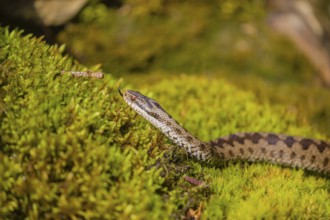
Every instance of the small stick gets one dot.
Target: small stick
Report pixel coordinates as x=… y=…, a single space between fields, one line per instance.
x=98 y=75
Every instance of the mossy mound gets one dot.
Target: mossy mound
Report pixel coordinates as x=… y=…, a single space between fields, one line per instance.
x=66 y=143
x=70 y=148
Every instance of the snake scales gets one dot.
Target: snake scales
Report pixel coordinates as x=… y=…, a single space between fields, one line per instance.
x=305 y=153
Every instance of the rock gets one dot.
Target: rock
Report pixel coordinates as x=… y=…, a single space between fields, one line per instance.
x=42 y=12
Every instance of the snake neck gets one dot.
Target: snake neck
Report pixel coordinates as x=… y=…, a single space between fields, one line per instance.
x=180 y=136
x=157 y=116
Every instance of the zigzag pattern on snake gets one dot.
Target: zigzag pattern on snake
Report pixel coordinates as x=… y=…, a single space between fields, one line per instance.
x=305 y=153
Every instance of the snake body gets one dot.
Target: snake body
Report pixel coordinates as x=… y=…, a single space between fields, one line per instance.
x=305 y=153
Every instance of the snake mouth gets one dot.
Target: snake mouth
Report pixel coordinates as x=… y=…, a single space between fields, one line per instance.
x=120 y=93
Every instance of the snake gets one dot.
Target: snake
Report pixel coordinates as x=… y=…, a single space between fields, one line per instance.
x=285 y=150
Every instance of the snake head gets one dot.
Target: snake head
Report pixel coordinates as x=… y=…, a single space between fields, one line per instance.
x=129 y=95
x=146 y=107
x=138 y=101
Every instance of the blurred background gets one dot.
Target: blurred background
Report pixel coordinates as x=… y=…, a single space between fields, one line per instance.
x=278 y=49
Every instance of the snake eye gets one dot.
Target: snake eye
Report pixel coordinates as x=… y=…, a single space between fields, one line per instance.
x=133 y=98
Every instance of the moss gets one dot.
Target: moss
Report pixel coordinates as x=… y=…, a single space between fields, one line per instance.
x=229 y=39
x=70 y=147
x=124 y=40
x=192 y=37
x=210 y=108
x=258 y=193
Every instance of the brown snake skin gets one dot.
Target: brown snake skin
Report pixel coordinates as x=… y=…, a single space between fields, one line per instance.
x=305 y=153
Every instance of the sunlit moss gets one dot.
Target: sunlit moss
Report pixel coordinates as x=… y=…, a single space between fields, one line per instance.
x=69 y=147
x=212 y=107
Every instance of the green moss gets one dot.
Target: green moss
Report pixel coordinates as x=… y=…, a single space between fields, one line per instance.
x=211 y=108
x=69 y=148
x=256 y=193
x=132 y=39
x=229 y=39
